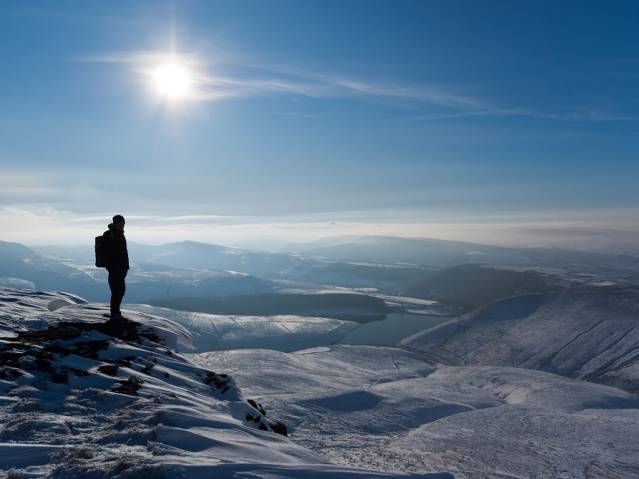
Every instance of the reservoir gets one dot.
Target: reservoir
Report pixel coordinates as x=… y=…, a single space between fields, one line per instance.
x=393 y=329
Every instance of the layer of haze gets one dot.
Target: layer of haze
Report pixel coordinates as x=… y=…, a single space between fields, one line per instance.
x=495 y=122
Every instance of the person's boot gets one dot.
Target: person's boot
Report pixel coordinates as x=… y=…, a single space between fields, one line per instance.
x=117 y=317
x=118 y=326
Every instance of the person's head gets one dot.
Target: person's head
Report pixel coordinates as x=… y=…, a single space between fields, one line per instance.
x=118 y=222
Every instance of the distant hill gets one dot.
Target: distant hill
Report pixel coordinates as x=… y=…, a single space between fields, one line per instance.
x=471 y=285
x=392 y=265
x=389 y=278
x=432 y=252
x=195 y=255
x=187 y=255
x=21 y=266
x=22 y=263
x=180 y=275
x=444 y=253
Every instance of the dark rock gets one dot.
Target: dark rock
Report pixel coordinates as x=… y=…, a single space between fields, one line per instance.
x=109 y=369
x=126 y=361
x=279 y=428
x=129 y=386
x=257 y=406
x=90 y=349
x=220 y=381
x=60 y=377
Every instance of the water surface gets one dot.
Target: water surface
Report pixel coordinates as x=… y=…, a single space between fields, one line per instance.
x=393 y=329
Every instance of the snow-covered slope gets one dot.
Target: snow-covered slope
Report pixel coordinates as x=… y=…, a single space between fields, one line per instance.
x=393 y=410
x=213 y=332
x=81 y=397
x=588 y=334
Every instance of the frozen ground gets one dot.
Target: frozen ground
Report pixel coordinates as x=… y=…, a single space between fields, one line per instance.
x=80 y=397
x=393 y=410
x=587 y=334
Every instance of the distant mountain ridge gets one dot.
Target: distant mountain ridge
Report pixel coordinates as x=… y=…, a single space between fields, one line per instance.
x=188 y=283
x=19 y=262
x=445 y=253
x=426 y=268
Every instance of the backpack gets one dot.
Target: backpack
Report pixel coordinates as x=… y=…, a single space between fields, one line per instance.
x=101 y=251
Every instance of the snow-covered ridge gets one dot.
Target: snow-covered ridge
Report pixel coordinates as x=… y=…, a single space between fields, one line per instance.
x=83 y=397
x=212 y=332
x=590 y=334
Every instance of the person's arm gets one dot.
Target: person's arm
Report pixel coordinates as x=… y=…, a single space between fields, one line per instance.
x=126 y=255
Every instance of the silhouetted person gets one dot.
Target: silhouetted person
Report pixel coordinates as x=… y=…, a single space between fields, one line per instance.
x=117 y=263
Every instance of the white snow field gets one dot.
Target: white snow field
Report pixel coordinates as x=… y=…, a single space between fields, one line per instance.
x=213 y=332
x=84 y=398
x=393 y=410
x=587 y=334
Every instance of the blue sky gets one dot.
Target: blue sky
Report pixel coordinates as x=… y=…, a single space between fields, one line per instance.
x=351 y=113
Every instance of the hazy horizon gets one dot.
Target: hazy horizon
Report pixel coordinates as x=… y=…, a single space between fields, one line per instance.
x=275 y=233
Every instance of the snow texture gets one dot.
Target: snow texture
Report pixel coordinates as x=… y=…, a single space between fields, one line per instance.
x=84 y=397
x=395 y=410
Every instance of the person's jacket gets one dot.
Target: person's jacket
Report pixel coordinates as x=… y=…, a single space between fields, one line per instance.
x=118 y=256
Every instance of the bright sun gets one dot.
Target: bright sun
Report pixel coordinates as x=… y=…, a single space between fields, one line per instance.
x=172 y=81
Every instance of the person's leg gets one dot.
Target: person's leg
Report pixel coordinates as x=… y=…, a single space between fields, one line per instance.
x=122 y=289
x=117 y=285
x=112 y=287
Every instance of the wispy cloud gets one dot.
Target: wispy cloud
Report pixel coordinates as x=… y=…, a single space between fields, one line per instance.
x=565 y=115
x=20 y=185
x=421 y=94
x=217 y=79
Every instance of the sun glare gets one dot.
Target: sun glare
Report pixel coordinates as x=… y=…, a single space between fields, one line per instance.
x=172 y=81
